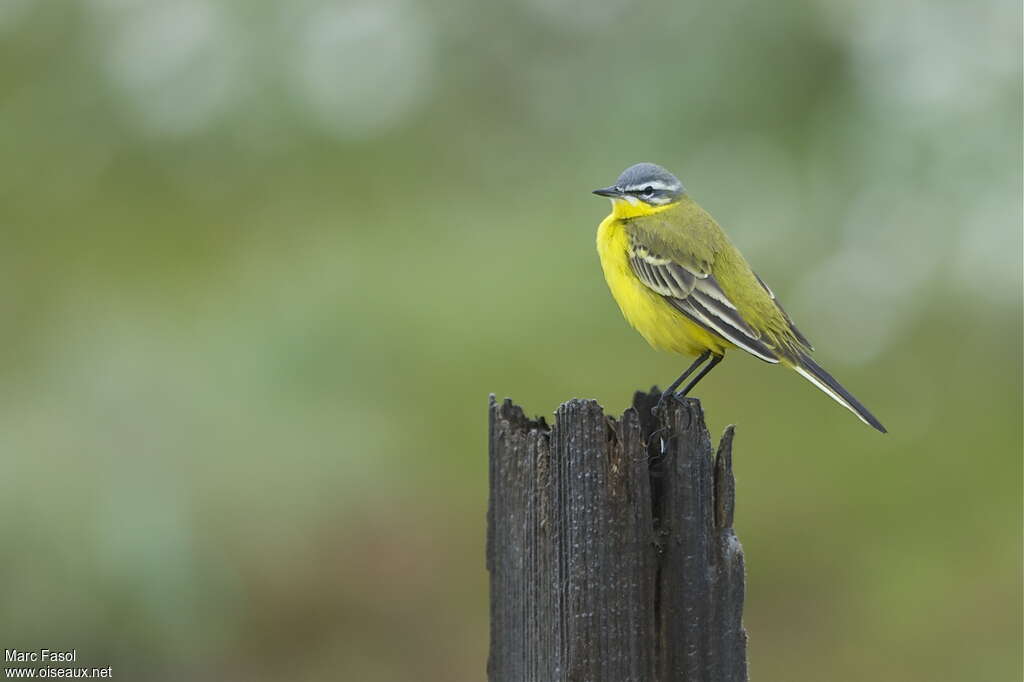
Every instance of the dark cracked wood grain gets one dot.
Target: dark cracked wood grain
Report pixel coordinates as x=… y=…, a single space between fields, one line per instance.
x=610 y=547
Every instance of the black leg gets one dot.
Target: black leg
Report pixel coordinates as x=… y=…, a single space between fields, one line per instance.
x=703 y=373
x=682 y=377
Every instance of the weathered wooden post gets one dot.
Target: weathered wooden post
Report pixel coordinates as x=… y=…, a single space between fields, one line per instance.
x=610 y=547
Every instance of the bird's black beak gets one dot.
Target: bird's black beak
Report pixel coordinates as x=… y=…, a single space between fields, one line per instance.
x=608 y=192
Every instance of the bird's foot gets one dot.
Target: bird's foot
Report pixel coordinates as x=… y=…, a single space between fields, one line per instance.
x=665 y=397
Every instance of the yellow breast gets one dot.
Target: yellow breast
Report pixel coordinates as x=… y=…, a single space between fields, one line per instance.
x=648 y=312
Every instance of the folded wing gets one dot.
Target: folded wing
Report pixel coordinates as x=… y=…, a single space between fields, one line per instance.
x=694 y=292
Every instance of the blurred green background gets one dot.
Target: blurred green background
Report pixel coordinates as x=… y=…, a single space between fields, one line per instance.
x=263 y=262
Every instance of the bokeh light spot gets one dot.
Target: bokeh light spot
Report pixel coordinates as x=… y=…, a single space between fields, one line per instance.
x=174 y=64
x=363 y=69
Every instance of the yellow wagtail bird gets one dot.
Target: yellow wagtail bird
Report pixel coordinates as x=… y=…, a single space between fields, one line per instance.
x=682 y=284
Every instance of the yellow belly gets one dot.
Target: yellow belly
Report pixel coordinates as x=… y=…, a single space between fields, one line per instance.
x=648 y=312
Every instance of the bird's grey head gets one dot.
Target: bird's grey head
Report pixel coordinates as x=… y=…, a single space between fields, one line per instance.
x=646 y=182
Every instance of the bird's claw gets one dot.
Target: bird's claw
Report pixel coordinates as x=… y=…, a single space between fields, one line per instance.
x=667 y=395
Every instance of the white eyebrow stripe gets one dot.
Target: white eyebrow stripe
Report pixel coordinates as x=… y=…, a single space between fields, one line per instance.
x=653 y=184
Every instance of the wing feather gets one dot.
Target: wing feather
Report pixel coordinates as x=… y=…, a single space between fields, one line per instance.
x=728 y=324
x=661 y=274
x=796 y=332
x=695 y=293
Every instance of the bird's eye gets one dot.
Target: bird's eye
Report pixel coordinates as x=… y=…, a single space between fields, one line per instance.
x=648 y=191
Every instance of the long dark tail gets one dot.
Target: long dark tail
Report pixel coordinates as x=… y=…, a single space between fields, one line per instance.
x=814 y=373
